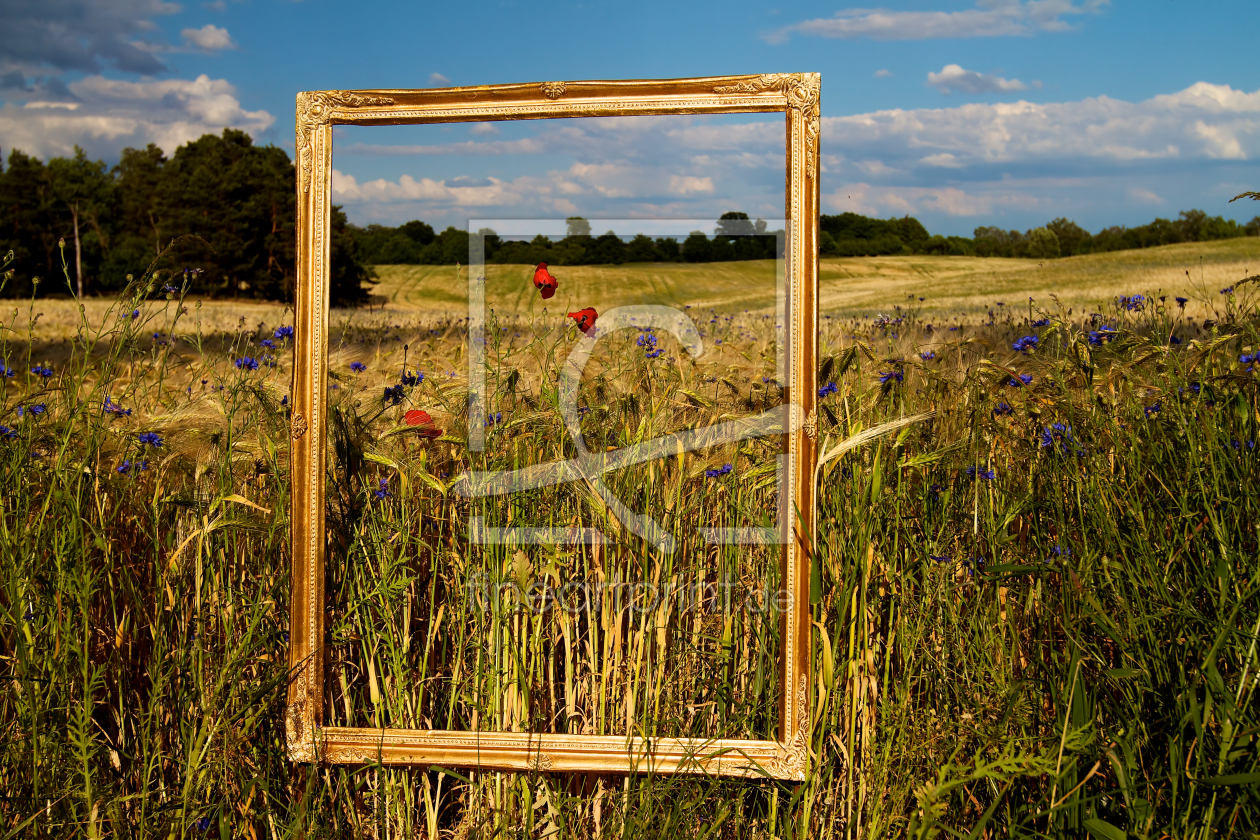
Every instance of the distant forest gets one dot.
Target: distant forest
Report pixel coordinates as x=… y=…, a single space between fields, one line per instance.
x=736 y=237
x=230 y=208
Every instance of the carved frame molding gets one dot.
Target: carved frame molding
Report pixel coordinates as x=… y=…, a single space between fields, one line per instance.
x=794 y=94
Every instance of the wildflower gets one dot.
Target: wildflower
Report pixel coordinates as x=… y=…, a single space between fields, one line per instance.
x=34 y=409
x=1132 y=303
x=1041 y=322
x=975 y=472
x=358 y=367
x=6 y=432
x=829 y=388
x=940 y=558
x=114 y=408
x=41 y=371
x=1057 y=551
x=8 y=372
x=653 y=354
x=126 y=467
x=1228 y=290
x=583 y=409
x=246 y=363
x=1024 y=379
x=494 y=419
x=382 y=491
x=1002 y=410
x=169 y=289
x=411 y=378
x=151 y=439
x=284 y=400
x=394 y=395
x=927 y=355
x=1181 y=302
x=1059 y=434
x=1028 y=342
x=202 y=824
x=283 y=332
x=268 y=343
x=1172 y=339
x=1248 y=358
x=1151 y=410
x=646 y=340
x=1102 y=335
x=886 y=378
x=720 y=471
x=135 y=313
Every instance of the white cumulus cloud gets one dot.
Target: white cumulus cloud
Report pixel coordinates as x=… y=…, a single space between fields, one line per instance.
x=990 y=19
x=209 y=38
x=952 y=77
x=110 y=114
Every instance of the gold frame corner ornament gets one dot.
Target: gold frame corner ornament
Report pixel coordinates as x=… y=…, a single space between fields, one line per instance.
x=796 y=95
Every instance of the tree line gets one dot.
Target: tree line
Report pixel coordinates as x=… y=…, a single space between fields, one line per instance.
x=229 y=207
x=736 y=237
x=219 y=203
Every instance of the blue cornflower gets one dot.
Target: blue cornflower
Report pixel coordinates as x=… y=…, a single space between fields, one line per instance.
x=934 y=491
x=1151 y=410
x=268 y=343
x=652 y=354
x=126 y=467
x=1132 y=303
x=169 y=289
x=135 y=313
x=202 y=824
x=829 y=388
x=1041 y=322
x=1058 y=551
x=940 y=558
x=382 y=491
x=1248 y=358
x=151 y=439
x=411 y=378
x=394 y=395
x=37 y=410
x=987 y=475
x=246 y=363
x=6 y=432
x=646 y=340
x=8 y=372
x=358 y=367
x=284 y=400
x=927 y=355
x=1172 y=339
x=283 y=332
x=1028 y=342
x=1181 y=302
x=494 y=419
x=1003 y=409
x=1228 y=290
x=1024 y=379
x=583 y=409
x=41 y=371
x=114 y=408
x=1057 y=433
x=897 y=375
x=720 y=471
x=1102 y=335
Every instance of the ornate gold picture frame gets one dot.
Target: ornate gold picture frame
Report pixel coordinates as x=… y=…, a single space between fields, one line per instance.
x=796 y=95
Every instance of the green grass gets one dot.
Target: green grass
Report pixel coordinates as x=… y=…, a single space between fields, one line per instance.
x=1103 y=688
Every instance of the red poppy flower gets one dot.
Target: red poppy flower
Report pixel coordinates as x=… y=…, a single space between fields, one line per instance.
x=585 y=319
x=416 y=417
x=544 y=282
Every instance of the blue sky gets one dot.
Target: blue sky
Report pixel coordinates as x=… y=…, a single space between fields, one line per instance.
x=1004 y=112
